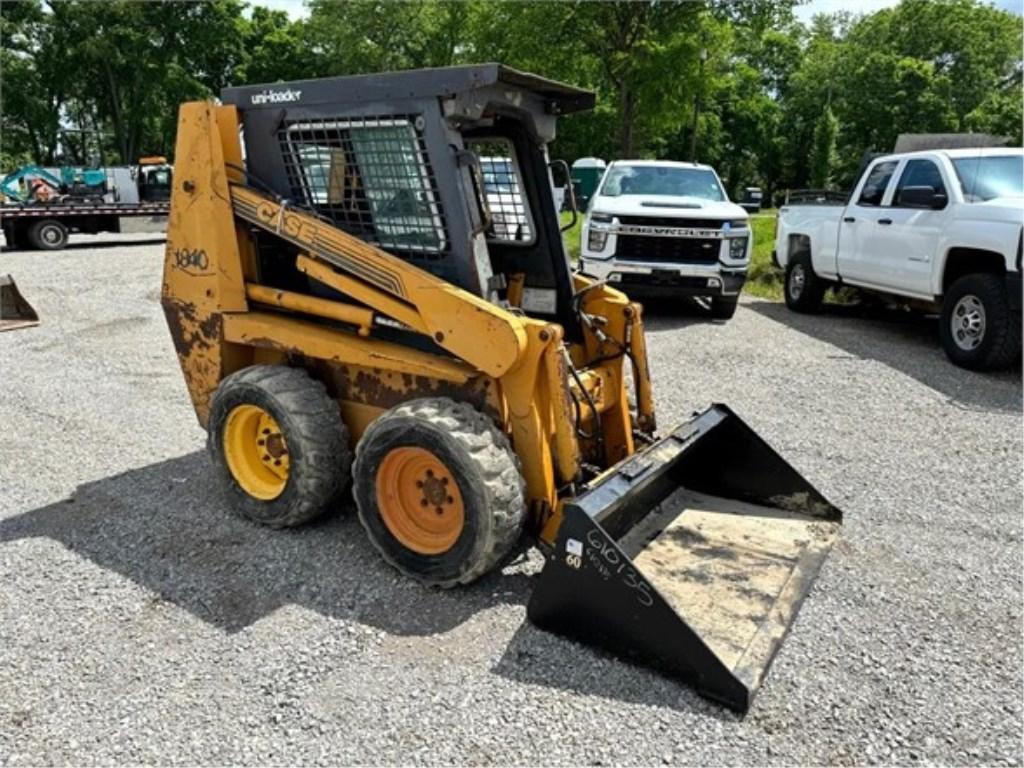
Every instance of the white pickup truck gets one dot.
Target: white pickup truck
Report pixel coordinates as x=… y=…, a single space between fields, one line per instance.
x=667 y=229
x=938 y=231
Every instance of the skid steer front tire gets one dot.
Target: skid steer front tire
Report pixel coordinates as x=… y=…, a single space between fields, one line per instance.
x=279 y=445
x=439 y=491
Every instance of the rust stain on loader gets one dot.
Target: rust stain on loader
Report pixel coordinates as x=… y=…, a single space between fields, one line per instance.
x=187 y=331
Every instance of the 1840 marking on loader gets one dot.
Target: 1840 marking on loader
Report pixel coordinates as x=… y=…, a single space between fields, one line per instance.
x=193 y=261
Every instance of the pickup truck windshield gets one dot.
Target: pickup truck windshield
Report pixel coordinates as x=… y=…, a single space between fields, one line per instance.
x=662 y=180
x=989 y=177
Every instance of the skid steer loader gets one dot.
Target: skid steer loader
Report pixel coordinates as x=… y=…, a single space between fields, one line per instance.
x=351 y=296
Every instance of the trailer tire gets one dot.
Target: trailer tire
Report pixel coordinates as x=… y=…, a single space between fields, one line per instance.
x=439 y=491
x=48 y=235
x=724 y=307
x=303 y=463
x=978 y=329
x=803 y=289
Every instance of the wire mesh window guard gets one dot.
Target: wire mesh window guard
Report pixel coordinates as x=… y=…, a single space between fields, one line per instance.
x=371 y=177
x=510 y=214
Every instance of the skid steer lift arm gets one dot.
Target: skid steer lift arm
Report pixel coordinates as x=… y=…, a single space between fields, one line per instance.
x=474 y=413
x=518 y=350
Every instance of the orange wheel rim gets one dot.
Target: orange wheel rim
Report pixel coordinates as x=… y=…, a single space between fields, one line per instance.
x=419 y=500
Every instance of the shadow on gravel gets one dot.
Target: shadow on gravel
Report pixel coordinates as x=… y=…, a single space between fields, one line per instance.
x=670 y=314
x=535 y=657
x=907 y=342
x=163 y=527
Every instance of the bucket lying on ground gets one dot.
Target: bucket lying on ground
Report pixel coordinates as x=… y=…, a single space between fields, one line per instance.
x=15 y=312
x=691 y=557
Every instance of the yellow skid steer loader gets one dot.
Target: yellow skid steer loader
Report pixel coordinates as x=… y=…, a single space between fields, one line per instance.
x=354 y=294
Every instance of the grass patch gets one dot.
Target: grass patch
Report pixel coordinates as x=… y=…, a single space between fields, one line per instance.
x=571 y=237
x=763 y=280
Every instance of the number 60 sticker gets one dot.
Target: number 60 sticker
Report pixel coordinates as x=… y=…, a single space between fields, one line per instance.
x=574 y=553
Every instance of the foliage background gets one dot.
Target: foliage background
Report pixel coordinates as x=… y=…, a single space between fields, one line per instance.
x=100 y=81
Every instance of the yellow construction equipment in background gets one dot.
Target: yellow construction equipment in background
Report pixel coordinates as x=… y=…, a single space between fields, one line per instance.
x=354 y=297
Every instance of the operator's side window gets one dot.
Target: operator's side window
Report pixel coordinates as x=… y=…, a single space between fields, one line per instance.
x=371 y=178
x=511 y=221
x=877 y=181
x=919 y=173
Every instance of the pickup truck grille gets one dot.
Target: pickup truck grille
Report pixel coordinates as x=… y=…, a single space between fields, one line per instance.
x=668 y=221
x=670 y=250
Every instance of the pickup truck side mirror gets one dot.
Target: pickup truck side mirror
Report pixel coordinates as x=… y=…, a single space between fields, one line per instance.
x=922 y=197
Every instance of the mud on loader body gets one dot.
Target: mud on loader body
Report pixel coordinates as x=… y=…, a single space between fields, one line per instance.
x=358 y=298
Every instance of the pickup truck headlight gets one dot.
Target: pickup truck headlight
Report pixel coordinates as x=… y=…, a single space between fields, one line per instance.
x=597 y=239
x=738 y=248
x=597 y=236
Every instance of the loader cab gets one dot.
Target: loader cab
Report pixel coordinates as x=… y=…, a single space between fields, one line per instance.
x=445 y=168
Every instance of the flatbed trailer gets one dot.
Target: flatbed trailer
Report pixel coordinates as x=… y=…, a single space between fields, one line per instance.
x=46 y=226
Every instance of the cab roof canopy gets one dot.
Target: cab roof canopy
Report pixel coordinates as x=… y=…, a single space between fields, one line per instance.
x=554 y=97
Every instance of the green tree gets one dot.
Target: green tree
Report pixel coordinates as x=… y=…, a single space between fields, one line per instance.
x=823 y=151
x=36 y=84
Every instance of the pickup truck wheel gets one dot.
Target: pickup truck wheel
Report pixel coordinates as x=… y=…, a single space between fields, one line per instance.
x=804 y=290
x=723 y=307
x=978 y=329
x=48 y=235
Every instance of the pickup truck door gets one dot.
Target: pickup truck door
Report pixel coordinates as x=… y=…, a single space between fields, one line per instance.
x=910 y=240
x=860 y=256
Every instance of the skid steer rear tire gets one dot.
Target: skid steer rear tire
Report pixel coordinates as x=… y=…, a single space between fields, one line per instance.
x=315 y=442
x=402 y=460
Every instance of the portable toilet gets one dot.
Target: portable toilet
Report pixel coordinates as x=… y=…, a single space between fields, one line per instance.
x=586 y=175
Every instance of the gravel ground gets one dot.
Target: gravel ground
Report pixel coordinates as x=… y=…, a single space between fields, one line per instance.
x=140 y=622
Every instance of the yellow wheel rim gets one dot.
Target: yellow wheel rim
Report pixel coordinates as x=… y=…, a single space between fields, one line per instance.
x=419 y=500
x=256 y=452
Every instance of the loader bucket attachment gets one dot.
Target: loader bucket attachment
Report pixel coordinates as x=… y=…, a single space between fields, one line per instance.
x=691 y=557
x=15 y=312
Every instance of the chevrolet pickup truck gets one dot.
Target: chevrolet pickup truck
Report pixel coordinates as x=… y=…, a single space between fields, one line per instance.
x=937 y=231
x=667 y=229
